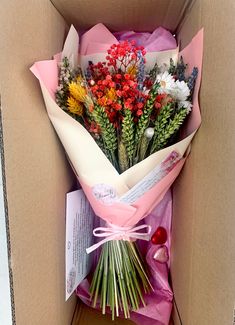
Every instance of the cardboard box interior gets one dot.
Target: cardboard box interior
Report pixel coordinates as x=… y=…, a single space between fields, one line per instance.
x=36 y=174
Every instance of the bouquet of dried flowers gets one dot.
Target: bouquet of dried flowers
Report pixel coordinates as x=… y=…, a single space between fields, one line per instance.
x=131 y=113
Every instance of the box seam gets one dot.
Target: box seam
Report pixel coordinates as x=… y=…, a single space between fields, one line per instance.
x=193 y=202
x=7 y=218
x=52 y=3
x=193 y=230
x=185 y=13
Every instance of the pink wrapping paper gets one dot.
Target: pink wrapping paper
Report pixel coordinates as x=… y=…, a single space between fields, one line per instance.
x=98 y=39
x=121 y=214
x=159 y=303
x=159 y=40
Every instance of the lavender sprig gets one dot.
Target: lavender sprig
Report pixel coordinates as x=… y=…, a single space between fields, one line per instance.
x=192 y=80
x=180 y=70
x=140 y=72
x=172 y=68
x=154 y=72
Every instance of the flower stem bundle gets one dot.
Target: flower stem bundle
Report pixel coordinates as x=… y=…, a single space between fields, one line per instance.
x=120 y=279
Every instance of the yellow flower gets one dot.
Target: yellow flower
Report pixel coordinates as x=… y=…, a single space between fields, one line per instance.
x=79 y=79
x=111 y=94
x=77 y=91
x=132 y=70
x=74 y=106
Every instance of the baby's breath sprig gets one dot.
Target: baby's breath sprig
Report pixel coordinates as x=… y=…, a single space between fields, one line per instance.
x=164 y=134
x=128 y=134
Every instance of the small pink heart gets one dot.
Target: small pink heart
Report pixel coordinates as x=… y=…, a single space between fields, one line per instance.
x=161 y=255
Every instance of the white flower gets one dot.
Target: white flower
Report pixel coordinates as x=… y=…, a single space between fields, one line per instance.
x=166 y=81
x=146 y=91
x=149 y=133
x=186 y=104
x=181 y=91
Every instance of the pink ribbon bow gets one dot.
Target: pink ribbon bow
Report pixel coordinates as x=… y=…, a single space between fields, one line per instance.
x=119 y=233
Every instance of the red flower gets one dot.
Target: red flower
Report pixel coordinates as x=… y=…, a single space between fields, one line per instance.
x=128 y=105
x=131 y=83
x=112 y=84
x=140 y=105
x=105 y=82
x=126 y=88
x=127 y=76
x=160 y=97
x=139 y=112
x=158 y=105
x=119 y=93
x=108 y=77
x=118 y=106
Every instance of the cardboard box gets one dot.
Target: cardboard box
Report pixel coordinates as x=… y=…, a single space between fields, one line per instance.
x=36 y=175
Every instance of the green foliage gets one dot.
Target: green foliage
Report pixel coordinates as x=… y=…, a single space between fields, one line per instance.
x=128 y=134
x=145 y=117
x=122 y=157
x=143 y=147
x=160 y=124
x=107 y=129
x=166 y=128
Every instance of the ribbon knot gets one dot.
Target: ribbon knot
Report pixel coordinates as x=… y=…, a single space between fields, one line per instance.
x=113 y=232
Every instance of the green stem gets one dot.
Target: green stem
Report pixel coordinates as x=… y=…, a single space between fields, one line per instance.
x=105 y=279
x=120 y=278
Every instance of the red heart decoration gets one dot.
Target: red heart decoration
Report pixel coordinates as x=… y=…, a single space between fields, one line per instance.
x=159 y=237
